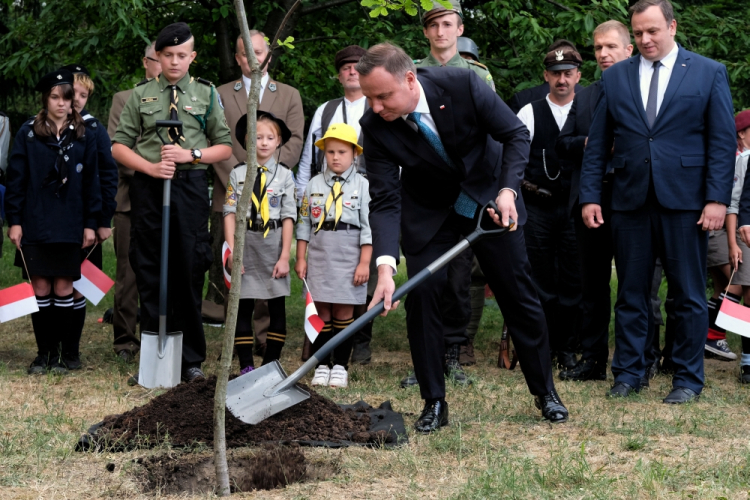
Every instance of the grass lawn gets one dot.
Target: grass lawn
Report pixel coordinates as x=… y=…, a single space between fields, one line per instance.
x=496 y=446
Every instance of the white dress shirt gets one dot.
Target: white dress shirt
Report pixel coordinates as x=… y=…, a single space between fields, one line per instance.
x=263 y=84
x=646 y=71
x=354 y=112
x=526 y=115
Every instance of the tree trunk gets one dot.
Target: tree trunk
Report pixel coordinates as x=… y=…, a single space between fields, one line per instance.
x=228 y=68
x=274 y=24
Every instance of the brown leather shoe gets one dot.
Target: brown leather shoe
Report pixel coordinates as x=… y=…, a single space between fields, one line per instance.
x=306 y=350
x=466 y=356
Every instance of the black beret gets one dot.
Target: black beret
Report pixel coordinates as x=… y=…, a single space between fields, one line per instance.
x=240 y=131
x=60 y=76
x=350 y=54
x=77 y=68
x=174 y=34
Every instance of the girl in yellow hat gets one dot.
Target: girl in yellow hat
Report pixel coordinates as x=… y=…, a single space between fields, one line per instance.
x=333 y=234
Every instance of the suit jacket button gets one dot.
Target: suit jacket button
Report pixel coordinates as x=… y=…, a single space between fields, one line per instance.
x=645 y=161
x=651 y=139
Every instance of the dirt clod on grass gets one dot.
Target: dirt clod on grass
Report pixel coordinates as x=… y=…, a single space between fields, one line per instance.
x=265 y=469
x=183 y=416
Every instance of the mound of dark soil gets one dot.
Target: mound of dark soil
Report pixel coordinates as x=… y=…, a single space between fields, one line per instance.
x=265 y=469
x=183 y=416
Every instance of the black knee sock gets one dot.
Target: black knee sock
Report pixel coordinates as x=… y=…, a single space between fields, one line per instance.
x=276 y=336
x=274 y=343
x=41 y=322
x=65 y=322
x=71 y=343
x=324 y=336
x=343 y=352
x=243 y=339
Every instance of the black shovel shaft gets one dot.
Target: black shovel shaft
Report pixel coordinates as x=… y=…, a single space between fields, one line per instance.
x=164 y=269
x=378 y=308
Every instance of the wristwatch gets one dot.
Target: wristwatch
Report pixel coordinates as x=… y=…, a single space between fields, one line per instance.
x=197 y=155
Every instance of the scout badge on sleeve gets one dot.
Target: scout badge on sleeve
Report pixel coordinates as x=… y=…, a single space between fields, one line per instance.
x=161 y=352
x=265 y=391
x=313 y=323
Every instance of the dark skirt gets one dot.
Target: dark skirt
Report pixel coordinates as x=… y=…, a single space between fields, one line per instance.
x=51 y=260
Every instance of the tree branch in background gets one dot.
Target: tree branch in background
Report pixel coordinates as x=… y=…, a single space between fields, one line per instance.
x=561 y=6
x=323 y=5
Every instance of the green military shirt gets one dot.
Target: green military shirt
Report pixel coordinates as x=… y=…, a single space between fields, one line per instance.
x=199 y=109
x=459 y=62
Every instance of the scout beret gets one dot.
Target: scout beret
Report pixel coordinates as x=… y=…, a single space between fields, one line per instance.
x=174 y=34
x=77 y=68
x=60 y=76
x=350 y=54
x=562 y=59
x=742 y=120
x=240 y=130
x=439 y=11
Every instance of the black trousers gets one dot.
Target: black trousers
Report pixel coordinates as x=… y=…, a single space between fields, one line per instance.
x=456 y=300
x=189 y=256
x=596 y=251
x=506 y=267
x=555 y=267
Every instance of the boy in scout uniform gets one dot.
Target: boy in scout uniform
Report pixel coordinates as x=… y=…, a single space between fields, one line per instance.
x=173 y=95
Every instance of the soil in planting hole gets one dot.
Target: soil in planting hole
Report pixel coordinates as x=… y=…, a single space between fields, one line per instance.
x=183 y=416
x=265 y=469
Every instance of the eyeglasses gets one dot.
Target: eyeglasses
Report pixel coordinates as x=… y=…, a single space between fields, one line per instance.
x=152 y=59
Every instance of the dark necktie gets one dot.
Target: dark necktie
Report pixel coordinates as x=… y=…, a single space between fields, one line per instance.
x=175 y=133
x=260 y=201
x=653 y=95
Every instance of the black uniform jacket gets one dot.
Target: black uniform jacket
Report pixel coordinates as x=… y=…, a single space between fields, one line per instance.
x=107 y=168
x=487 y=143
x=45 y=215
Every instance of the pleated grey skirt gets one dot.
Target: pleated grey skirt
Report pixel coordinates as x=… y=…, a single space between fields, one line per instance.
x=332 y=259
x=259 y=259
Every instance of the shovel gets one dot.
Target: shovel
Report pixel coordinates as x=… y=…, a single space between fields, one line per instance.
x=161 y=353
x=265 y=391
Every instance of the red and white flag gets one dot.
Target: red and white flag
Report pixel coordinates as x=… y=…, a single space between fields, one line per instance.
x=226 y=254
x=94 y=284
x=17 y=301
x=734 y=317
x=313 y=323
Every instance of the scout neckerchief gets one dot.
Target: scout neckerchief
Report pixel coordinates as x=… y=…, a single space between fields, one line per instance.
x=260 y=199
x=174 y=133
x=59 y=171
x=335 y=196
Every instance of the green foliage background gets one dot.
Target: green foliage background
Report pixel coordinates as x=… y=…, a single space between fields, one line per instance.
x=109 y=37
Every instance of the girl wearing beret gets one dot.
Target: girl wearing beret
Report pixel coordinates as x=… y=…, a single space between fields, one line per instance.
x=53 y=205
x=268 y=241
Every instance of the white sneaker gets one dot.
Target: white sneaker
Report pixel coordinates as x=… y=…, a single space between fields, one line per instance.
x=322 y=375
x=339 y=377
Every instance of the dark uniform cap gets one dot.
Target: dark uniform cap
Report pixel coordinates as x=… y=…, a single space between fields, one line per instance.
x=77 y=68
x=350 y=54
x=742 y=120
x=60 y=76
x=240 y=131
x=439 y=11
x=172 y=35
x=562 y=59
x=466 y=45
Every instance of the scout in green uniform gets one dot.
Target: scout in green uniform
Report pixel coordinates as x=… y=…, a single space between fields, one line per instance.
x=173 y=95
x=442 y=27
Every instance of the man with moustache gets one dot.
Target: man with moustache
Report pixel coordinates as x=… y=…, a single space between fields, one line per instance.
x=125 y=311
x=670 y=111
x=611 y=45
x=550 y=236
x=285 y=103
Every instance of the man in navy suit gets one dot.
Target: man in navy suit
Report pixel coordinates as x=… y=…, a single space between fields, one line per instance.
x=668 y=115
x=611 y=45
x=439 y=143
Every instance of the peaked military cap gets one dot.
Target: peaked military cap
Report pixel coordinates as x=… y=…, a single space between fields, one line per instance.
x=562 y=59
x=77 y=68
x=172 y=35
x=240 y=130
x=60 y=76
x=439 y=11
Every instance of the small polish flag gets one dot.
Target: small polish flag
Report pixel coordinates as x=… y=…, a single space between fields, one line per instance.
x=734 y=317
x=313 y=323
x=94 y=284
x=226 y=253
x=17 y=301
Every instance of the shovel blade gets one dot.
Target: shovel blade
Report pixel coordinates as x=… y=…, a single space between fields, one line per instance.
x=155 y=371
x=251 y=398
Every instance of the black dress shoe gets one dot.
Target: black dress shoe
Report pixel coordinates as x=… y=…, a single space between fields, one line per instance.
x=453 y=369
x=745 y=374
x=680 y=395
x=72 y=361
x=552 y=408
x=586 y=369
x=193 y=373
x=621 y=390
x=409 y=380
x=566 y=360
x=433 y=417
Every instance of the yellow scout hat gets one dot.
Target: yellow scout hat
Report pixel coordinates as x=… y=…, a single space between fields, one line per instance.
x=342 y=132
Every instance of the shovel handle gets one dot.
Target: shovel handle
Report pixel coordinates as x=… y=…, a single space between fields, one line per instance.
x=479 y=233
x=164 y=268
